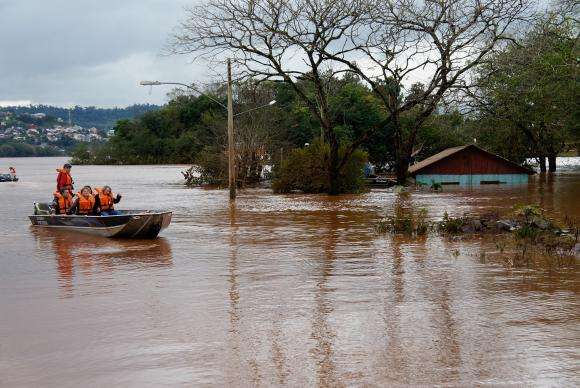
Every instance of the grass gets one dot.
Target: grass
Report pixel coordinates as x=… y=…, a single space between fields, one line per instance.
x=451 y=225
x=405 y=221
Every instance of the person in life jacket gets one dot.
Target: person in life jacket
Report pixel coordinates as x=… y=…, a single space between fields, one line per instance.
x=12 y=171
x=64 y=179
x=62 y=202
x=84 y=203
x=105 y=201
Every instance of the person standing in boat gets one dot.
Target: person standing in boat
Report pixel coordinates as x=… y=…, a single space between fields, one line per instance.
x=12 y=172
x=62 y=202
x=84 y=203
x=64 y=179
x=105 y=201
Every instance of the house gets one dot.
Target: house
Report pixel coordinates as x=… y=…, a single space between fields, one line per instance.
x=468 y=165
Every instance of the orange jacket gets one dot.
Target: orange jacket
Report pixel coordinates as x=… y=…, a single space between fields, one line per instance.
x=106 y=202
x=63 y=179
x=86 y=205
x=63 y=203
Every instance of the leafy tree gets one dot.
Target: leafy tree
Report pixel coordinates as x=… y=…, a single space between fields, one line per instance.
x=306 y=170
x=528 y=94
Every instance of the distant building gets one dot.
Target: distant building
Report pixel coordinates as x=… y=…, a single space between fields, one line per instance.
x=80 y=137
x=468 y=165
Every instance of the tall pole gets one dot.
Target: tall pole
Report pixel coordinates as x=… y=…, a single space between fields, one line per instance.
x=231 y=147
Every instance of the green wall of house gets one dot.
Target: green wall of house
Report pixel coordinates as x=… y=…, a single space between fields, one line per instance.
x=472 y=180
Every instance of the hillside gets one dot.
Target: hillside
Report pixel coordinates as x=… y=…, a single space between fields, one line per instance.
x=101 y=118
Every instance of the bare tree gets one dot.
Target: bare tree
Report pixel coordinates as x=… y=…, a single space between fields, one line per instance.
x=390 y=44
x=254 y=132
x=431 y=45
x=278 y=40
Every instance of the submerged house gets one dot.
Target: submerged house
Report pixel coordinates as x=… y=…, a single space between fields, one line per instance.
x=468 y=165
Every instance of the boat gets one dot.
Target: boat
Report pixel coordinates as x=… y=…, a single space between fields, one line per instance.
x=127 y=224
x=8 y=178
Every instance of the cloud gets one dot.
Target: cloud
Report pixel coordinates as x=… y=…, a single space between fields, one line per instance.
x=87 y=52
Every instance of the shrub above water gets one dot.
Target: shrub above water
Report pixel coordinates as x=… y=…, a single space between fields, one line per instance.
x=306 y=170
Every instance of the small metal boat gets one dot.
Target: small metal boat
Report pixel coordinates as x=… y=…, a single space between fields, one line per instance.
x=128 y=224
x=8 y=178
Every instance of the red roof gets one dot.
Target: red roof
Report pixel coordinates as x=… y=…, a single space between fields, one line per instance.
x=417 y=167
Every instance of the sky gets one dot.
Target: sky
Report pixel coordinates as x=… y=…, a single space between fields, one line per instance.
x=86 y=52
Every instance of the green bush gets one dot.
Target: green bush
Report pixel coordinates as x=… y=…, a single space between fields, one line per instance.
x=451 y=225
x=306 y=170
x=210 y=168
x=81 y=155
x=405 y=221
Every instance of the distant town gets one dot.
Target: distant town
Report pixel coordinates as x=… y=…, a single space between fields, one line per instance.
x=46 y=130
x=38 y=128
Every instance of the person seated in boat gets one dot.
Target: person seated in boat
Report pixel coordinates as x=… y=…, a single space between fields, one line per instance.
x=64 y=178
x=84 y=203
x=62 y=202
x=12 y=172
x=105 y=201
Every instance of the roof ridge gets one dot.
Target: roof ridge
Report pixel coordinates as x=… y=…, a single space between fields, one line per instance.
x=453 y=150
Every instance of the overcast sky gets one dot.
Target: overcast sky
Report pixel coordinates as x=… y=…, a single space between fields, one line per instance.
x=89 y=52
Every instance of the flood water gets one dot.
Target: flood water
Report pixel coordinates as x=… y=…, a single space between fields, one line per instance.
x=294 y=290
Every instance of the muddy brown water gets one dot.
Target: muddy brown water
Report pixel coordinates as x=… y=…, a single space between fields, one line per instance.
x=275 y=290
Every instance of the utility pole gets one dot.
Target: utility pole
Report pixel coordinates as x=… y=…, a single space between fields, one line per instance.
x=230 y=109
x=231 y=146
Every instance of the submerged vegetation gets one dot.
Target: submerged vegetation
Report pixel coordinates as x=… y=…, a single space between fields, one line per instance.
x=406 y=220
x=527 y=237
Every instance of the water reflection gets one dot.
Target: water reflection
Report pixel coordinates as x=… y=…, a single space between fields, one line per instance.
x=395 y=353
x=88 y=255
x=322 y=331
x=234 y=293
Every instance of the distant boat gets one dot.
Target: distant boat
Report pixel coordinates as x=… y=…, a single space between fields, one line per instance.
x=8 y=178
x=128 y=224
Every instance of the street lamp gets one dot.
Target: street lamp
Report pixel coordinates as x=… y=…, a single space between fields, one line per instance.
x=157 y=83
x=231 y=115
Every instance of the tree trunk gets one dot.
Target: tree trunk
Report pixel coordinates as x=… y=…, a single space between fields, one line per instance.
x=402 y=168
x=542 y=160
x=333 y=172
x=401 y=160
x=552 y=163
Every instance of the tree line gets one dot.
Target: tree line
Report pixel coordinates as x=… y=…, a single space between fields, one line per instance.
x=397 y=80
x=10 y=149
x=89 y=116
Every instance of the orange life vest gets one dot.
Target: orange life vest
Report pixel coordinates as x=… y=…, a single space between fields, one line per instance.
x=64 y=179
x=86 y=204
x=105 y=200
x=63 y=203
